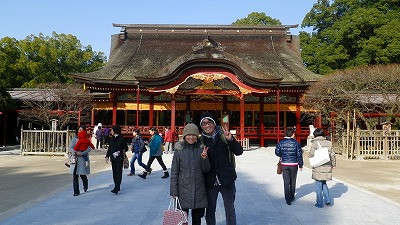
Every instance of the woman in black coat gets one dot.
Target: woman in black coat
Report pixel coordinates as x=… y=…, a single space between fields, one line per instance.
x=115 y=153
x=189 y=163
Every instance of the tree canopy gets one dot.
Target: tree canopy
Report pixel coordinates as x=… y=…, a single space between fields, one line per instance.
x=42 y=59
x=257 y=18
x=350 y=33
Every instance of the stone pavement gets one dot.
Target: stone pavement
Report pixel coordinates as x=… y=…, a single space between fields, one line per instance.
x=259 y=200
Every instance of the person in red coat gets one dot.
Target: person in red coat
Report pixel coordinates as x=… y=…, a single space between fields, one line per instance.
x=169 y=140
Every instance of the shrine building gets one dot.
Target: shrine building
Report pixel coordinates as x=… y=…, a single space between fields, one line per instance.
x=251 y=78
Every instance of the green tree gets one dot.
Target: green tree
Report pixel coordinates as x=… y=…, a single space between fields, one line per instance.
x=350 y=33
x=43 y=59
x=257 y=18
x=10 y=74
x=6 y=102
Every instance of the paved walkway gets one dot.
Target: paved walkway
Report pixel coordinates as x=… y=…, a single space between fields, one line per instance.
x=259 y=200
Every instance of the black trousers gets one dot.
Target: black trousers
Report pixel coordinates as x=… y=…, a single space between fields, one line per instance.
x=75 y=181
x=196 y=215
x=160 y=161
x=117 y=173
x=228 y=196
x=289 y=174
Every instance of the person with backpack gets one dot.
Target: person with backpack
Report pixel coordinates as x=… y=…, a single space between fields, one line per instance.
x=138 y=149
x=222 y=148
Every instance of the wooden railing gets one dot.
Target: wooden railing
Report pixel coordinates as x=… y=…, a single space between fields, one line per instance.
x=45 y=142
x=366 y=144
x=269 y=132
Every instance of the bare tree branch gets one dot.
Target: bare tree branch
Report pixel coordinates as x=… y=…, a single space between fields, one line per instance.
x=62 y=102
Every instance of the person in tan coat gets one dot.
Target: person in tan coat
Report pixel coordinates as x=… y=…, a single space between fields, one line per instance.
x=322 y=173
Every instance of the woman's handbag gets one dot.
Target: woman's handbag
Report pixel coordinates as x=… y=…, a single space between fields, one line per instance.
x=321 y=156
x=126 y=162
x=174 y=215
x=279 y=167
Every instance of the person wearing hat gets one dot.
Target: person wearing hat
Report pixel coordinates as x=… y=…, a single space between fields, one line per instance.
x=189 y=163
x=222 y=147
x=115 y=154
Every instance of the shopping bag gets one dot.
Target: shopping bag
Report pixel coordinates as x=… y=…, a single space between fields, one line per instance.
x=321 y=156
x=174 y=215
x=72 y=168
x=126 y=162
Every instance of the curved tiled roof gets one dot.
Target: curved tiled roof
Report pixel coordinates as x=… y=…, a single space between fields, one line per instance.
x=157 y=54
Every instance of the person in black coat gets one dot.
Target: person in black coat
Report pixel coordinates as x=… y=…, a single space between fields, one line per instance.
x=115 y=154
x=222 y=147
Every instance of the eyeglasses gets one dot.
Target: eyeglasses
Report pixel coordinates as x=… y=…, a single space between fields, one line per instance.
x=205 y=123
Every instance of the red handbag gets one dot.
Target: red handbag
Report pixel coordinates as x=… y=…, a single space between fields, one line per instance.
x=174 y=215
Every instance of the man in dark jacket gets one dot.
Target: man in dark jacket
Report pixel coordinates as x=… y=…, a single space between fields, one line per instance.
x=116 y=153
x=291 y=154
x=222 y=147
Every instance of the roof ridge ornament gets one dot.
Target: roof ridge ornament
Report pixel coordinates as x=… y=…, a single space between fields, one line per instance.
x=208 y=43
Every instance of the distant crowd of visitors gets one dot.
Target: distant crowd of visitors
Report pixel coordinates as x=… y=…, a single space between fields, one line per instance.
x=203 y=164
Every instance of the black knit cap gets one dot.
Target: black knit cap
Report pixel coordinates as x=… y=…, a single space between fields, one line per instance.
x=209 y=116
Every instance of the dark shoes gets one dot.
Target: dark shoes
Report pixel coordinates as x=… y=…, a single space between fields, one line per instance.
x=131 y=174
x=114 y=191
x=318 y=206
x=328 y=203
x=67 y=165
x=150 y=171
x=143 y=175
x=85 y=189
x=76 y=194
x=166 y=175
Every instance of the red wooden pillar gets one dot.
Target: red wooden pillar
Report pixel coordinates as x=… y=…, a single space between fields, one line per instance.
x=151 y=111
x=242 y=117
x=114 y=113
x=261 y=121
x=92 y=120
x=298 y=126
x=137 y=106
x=173 y=112
x=277 y=114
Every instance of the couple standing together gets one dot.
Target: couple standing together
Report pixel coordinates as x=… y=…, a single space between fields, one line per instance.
x=204 y=166
x=291 y=157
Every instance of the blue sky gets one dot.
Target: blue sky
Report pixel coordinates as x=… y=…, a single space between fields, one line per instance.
x=91 y=20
